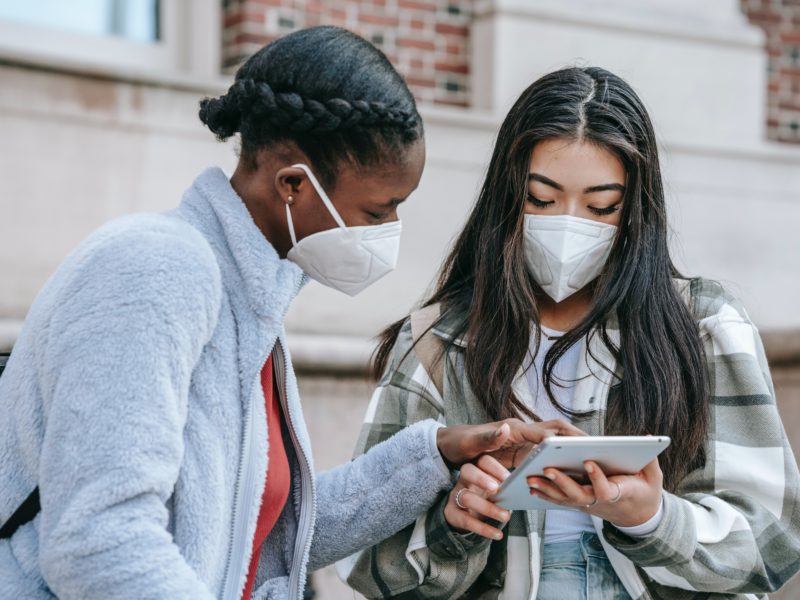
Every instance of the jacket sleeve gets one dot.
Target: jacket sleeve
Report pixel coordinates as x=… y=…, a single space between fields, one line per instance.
x=425 y=559
x=377 y=494
x=134 y=314
x=734 y=525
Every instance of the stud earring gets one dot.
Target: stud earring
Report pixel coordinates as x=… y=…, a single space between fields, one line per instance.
x=290 y=200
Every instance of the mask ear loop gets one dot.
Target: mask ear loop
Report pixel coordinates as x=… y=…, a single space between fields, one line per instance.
x=323 y=196
x=291 y=225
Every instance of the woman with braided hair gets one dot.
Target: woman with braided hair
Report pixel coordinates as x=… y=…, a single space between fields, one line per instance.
x=150 y=400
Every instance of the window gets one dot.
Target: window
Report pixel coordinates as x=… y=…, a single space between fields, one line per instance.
x=163 y=36
x=135 y=20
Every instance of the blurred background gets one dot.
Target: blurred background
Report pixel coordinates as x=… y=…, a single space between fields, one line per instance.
x=98 y=114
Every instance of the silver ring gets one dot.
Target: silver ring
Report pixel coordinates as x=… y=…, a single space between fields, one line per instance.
x=619 y=493
x=458 y=499
x=592 y=503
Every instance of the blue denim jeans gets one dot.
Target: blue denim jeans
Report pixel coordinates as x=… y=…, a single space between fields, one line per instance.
x=579 y=570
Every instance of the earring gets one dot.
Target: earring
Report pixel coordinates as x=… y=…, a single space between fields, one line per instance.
x=290 y=200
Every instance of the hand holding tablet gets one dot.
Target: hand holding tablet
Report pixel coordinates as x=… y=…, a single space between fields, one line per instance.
x=614 y=455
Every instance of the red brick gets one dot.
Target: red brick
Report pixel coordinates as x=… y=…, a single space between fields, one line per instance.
x=238 y=17
x=373 y=19
x=452 y=67
x=790 y=37
x=416 y=5
x=419 y=82
x=251 y=38
x=415 y=43
x=448 y=29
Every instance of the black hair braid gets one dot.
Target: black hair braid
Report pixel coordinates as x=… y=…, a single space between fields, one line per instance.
x=293 y=112
x=222 y=116
x=328 y=91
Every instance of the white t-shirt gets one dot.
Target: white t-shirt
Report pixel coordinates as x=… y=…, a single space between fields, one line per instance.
x=565 y=525
x=559 y=525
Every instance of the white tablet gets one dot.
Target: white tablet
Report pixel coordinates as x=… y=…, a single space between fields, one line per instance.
x=616 y=455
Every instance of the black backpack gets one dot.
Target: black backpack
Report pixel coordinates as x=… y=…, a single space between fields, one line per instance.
x=30 y=507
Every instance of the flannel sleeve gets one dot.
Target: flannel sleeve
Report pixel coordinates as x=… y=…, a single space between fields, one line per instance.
x=409 y=563
x=734 y=525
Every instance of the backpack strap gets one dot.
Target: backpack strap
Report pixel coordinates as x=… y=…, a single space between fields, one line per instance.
x=30 y=507
x=428 y=348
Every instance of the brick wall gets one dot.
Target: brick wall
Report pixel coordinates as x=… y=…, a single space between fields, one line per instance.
x=780 y=20
x=427 y=40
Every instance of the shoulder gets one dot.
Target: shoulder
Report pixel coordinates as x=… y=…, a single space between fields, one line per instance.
x=142 y=260
x=711 y=300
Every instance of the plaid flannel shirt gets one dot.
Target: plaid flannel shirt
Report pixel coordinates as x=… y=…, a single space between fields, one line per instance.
x=731 y=529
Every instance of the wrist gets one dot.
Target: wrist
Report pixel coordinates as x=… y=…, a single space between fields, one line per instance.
x=644 y=527
x=444 y=441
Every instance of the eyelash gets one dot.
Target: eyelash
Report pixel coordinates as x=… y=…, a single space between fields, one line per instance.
x=378 y=216
x=600 y=212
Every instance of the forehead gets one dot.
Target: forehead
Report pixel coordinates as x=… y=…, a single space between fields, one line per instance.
x=577 y=164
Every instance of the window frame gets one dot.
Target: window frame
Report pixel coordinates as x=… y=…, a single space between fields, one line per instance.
x=190 y=32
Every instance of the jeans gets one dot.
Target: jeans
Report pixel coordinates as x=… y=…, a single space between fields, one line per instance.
x=579 y=570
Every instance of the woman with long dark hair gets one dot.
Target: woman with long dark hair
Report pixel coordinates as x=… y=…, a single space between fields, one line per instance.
x=150 y=400
x=559 y=298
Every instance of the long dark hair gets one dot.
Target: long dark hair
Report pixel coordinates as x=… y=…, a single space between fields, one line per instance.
x=332 y=93
x=485 y=282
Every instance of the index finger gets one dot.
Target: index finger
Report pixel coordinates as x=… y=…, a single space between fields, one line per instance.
x=562 y=427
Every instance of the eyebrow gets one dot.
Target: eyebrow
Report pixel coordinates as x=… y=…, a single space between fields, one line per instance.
x=393 y=202
x=595 y=188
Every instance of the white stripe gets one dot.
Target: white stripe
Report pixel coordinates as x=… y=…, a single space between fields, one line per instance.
x=373 y=405
x=346 y=565
x=757 y=472
x=666 y=577
x=417 y=553
x=730 y=333
x=717 y=520
x=518 y=569
x=421 y=377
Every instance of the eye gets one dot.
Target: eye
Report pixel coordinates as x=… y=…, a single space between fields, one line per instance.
x=379 y=216
x=539 y=203
x=604 y=212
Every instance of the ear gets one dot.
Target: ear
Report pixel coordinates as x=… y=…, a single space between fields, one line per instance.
x=291 y=183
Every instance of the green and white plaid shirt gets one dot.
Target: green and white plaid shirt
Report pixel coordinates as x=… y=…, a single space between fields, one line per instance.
x=731 y=530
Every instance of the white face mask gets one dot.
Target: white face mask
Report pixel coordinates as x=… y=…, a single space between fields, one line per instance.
x=345 y=258
x=564 y=253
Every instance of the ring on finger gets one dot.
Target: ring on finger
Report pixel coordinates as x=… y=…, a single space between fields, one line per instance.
x=592 y=503
x=458 y=499
x=619 y=493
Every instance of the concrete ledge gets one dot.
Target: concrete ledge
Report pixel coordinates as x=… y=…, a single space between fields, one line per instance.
x=315 y=354
x=9 y=332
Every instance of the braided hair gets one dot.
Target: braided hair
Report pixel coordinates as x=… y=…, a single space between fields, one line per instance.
x=327 y=90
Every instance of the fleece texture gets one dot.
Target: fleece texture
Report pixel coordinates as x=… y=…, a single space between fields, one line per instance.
x=127 y=399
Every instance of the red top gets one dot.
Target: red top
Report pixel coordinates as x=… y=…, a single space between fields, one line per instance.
x=276 y=490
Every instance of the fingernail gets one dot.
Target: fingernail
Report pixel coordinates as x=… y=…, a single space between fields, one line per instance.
x=589 y=468
x=535 y=486
x=550 y=476
x=498 y=536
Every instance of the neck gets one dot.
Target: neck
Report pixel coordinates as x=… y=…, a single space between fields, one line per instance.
x=266 y=214
x=564 y=315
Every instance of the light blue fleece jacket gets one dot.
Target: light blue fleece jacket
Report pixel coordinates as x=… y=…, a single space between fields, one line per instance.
x=133 y=400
